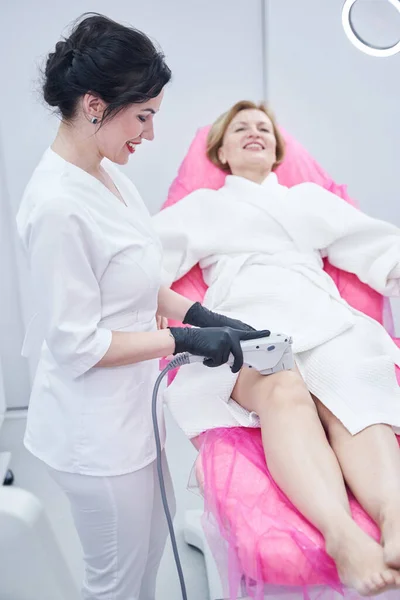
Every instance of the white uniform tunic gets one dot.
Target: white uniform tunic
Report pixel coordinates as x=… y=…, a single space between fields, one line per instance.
x=260 y=248
x=96 y=268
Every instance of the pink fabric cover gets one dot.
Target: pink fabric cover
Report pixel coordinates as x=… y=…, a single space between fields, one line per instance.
x=267 y=539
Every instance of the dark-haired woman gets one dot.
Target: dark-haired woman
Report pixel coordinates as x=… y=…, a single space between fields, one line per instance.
x=95 y=269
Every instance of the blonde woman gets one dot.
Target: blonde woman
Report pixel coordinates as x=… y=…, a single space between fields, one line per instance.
x=330 y=421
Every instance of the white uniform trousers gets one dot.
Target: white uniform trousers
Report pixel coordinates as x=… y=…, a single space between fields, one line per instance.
x=122 y=528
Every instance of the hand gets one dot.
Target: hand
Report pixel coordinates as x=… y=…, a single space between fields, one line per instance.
x=199 y=316
x=216 y=344
x=162 y=322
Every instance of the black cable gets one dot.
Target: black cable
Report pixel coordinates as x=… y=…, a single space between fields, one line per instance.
x=181 y=359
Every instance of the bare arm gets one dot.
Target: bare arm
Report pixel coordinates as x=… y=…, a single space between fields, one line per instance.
x=172 y=305
x=127 y=348
x=132 y=347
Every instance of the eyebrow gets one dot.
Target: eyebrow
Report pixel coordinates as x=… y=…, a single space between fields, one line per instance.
x=150 y=110
x=259 y=123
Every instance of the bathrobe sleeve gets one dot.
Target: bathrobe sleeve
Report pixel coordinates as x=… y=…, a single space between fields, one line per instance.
x=352 y=240
x=186 y=231
x=65 y=256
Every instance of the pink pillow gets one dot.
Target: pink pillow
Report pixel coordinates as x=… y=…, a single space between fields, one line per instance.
x=196 y=171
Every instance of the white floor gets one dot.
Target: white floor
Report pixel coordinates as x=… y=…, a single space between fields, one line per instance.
x=30 y=475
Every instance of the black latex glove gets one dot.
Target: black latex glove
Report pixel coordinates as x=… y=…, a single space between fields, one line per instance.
x=199 y=316
x=214 y=343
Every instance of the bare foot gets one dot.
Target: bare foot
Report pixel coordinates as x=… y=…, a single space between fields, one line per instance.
x=360 y=563
x=391 y=538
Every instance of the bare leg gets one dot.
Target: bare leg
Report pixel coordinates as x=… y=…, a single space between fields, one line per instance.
x=370 y=463
x=300 y=459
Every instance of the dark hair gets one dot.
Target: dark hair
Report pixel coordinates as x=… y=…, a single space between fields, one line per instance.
x=119 y=64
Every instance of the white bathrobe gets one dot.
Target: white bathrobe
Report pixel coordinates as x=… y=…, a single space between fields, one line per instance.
x=260 y=248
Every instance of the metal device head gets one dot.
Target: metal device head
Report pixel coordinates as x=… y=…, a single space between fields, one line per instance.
x=268 y=355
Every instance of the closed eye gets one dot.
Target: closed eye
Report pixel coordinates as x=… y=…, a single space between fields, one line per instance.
x=142 y=119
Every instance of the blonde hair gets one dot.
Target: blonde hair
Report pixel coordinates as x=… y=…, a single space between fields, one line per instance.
x=217 y=132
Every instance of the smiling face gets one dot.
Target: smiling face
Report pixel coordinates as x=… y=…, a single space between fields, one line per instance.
x=119 y=136
x=249 y=143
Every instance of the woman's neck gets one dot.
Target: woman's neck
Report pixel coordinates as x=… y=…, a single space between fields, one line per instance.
x=78 y=146
x=253 y=175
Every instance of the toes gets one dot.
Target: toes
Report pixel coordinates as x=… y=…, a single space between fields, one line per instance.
x=371 y=585
x=377 y=582
x=389 y=577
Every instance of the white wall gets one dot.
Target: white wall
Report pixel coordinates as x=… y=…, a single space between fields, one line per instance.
x=343 y=105
x=15 y=372
x=2 y=398
x=215 y=54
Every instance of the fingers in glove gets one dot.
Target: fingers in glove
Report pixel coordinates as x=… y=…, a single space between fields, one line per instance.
x=210 y=362
x=253 y=335
x=220 y=357
x=200 y=316
x=225 y=355
x=237 y=352
x=238 y=325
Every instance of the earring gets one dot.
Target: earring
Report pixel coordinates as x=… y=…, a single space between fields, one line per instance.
x=94 y=120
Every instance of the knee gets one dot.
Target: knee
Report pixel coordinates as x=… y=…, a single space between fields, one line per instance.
x=289 y=387
x=287 y=391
